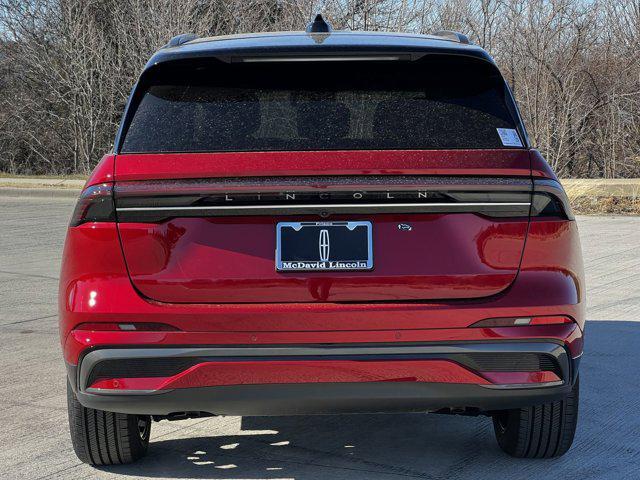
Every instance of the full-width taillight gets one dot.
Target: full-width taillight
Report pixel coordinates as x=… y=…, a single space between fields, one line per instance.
x=94 y=205
x=522 y=321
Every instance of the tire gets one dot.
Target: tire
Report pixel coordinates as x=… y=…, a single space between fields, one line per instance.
x=540 y=431
x=106 y=438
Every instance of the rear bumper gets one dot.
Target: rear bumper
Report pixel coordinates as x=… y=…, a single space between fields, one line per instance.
x=306 y=379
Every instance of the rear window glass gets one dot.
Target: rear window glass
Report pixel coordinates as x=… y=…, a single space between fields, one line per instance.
x=428 y=104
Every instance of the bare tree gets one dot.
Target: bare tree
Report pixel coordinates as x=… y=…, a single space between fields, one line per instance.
x=66 y=67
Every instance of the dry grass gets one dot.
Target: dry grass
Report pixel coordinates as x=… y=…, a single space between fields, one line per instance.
x=591 y=198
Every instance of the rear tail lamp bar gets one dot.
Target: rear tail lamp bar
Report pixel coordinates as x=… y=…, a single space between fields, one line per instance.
x=157 y=201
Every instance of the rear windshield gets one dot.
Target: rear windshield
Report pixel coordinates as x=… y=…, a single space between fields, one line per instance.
x=428 y=104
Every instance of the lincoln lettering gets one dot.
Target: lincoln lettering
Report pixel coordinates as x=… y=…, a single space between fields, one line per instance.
x=298 y=197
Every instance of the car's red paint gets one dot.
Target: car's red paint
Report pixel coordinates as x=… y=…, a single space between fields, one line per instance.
x=230 y=260
x=103 y=172
x=359 y=162
x=320 y=371
x=251 y=373
x=552 y=265
x=539 y=166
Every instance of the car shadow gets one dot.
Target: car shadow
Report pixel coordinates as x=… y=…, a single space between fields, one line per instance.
x=417 y=445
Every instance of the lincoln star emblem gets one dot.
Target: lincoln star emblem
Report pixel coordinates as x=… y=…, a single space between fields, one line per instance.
x=323 y=244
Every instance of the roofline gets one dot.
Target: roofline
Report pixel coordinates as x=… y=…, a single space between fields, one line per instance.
x=442 y=35
x=230 y=48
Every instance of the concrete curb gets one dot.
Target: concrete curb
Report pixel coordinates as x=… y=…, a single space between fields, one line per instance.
x=56 y=183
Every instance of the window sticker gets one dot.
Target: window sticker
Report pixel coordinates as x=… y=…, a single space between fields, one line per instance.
x=509 y=137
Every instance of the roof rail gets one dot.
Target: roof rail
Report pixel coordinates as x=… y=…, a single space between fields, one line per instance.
x=180 y=39
x=453 y=36
x=319 y=25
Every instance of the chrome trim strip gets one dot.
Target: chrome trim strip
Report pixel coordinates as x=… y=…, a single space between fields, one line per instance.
x=513 y=386
x=106 y=391
x=326 y=206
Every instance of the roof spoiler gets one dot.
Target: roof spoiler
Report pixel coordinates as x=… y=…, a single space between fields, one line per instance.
x=453 y=36
x=180 y=39
x=320 y=25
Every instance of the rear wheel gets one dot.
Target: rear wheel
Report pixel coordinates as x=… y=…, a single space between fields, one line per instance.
x=106 y=438
x=540 y=431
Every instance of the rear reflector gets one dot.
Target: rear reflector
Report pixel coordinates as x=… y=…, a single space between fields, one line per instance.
x=94 y=205
x=522 y=321
x=520 y=378
x=551 y=320
x=127 y=327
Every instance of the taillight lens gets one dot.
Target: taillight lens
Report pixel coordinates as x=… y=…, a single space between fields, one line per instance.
x=523 y=321
x=94 y=205
x=550 y=200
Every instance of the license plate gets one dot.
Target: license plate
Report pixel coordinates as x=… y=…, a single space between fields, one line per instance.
x=319 y=246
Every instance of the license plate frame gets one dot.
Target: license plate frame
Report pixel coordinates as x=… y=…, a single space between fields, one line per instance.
x=324 y=262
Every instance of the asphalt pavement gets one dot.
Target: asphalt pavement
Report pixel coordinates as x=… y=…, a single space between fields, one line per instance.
x=35 y=444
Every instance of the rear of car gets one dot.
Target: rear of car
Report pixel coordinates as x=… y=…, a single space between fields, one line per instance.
x=321 y=223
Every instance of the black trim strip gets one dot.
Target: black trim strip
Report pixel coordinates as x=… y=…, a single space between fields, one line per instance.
x=557 y=354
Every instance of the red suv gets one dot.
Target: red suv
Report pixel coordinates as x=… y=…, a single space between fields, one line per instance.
x=321 y=222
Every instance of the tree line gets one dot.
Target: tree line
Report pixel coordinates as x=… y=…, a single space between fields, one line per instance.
x=66 y=67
